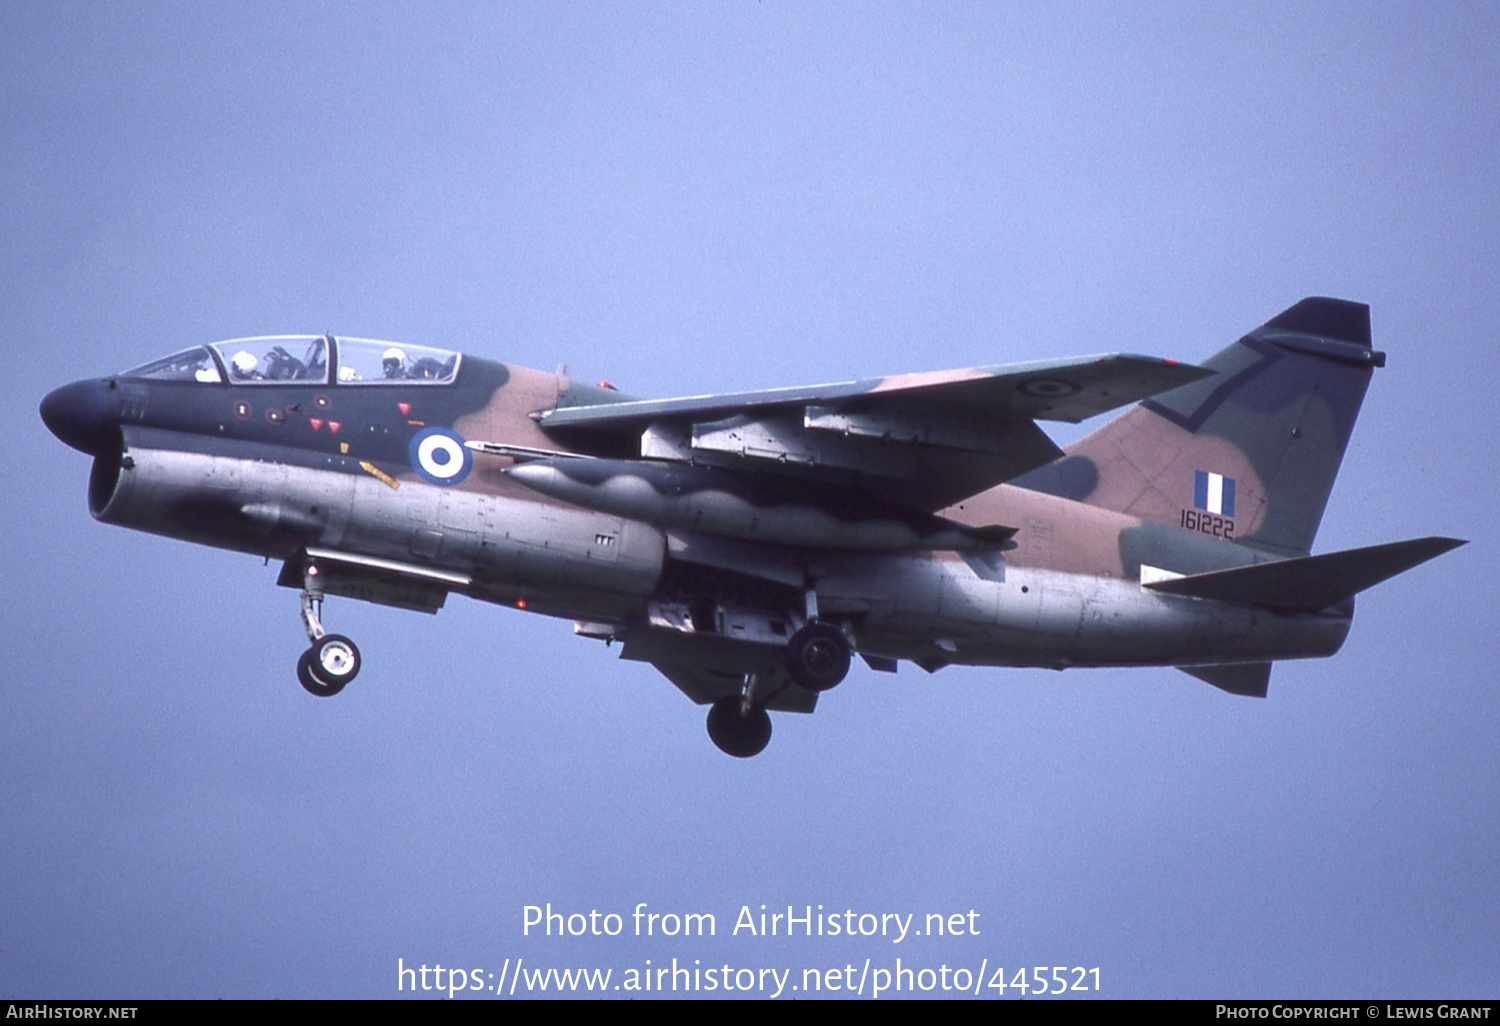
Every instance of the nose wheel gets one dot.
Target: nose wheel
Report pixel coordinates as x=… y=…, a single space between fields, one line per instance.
x=328 y=665
x=333 y=660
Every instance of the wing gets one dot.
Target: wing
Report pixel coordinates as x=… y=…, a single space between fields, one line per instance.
x=925 y=440
x=1067 y=390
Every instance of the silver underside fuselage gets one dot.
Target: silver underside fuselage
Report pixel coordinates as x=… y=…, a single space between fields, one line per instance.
x=511 y=548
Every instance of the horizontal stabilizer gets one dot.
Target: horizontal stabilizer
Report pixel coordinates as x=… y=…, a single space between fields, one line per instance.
x=1250 y=679
x=1308 y=583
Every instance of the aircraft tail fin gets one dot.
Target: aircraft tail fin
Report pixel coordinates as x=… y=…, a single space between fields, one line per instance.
x=1308 y=584
x=1249 y=454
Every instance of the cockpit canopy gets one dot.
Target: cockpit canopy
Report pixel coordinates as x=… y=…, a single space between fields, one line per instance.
x=189 y=365
x=363 y=361
x=304 y=359
x=286 y=359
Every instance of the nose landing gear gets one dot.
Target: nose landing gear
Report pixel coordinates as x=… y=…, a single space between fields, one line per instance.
x=333 y=660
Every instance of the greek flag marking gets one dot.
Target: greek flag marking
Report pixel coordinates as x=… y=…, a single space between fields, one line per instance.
x=1213 y=493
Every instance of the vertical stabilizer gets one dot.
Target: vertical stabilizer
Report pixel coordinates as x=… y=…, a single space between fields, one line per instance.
x=1249 y=454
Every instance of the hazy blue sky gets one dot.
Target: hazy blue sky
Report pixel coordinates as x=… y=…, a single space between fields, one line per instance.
x=703 y=197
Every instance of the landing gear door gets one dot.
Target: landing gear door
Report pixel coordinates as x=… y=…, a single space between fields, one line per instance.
x=369 y=584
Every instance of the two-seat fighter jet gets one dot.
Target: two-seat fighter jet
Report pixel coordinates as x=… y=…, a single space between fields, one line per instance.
x=749 y=545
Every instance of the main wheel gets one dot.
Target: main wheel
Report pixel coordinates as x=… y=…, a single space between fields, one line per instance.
x=735 y=734
x=331 y=663
x=818 y=656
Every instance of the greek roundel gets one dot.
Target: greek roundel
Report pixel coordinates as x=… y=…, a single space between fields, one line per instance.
x=439 y=456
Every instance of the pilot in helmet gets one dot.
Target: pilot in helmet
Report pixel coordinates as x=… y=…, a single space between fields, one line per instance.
x=243 y=364
x=394 y=362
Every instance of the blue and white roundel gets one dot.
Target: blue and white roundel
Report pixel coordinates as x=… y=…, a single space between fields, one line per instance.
x=440 y=456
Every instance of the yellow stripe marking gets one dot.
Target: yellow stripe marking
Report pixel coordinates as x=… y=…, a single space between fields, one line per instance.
x=378 y=474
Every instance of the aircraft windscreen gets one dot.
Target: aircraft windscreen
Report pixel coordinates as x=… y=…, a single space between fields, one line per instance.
x=280 y=359
x=189 y=365
x=364 y=361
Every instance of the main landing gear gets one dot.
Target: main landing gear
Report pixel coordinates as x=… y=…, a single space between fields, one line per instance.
x=333 y=660
x=817 y=657
x=818 y=654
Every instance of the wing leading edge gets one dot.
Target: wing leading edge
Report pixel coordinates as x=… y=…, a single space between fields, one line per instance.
x=1070 y=390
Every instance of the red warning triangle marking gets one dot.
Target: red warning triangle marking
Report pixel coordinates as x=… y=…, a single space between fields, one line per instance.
x=405 y=408
x=333 y=427
x=315 y=422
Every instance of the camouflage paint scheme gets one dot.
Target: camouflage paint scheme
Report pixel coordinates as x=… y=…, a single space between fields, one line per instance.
x=729 y=540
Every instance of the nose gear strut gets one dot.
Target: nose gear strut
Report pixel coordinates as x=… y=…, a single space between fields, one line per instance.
x=333 y=660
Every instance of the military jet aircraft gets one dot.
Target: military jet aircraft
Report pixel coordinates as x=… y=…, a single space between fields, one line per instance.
x=749 y=545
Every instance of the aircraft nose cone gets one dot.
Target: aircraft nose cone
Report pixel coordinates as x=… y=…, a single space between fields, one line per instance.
x=81 y=415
